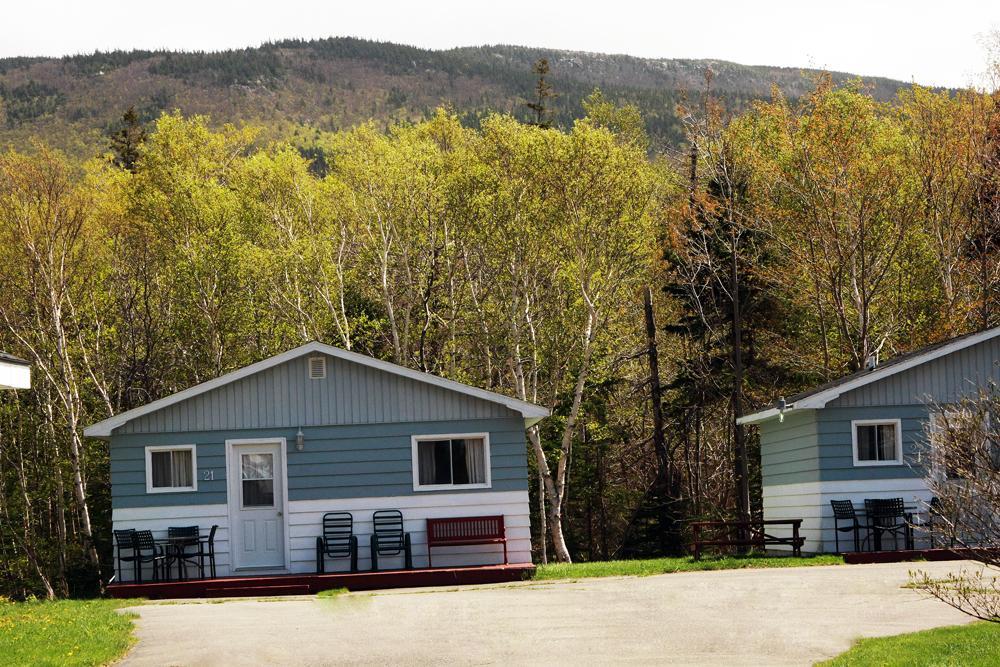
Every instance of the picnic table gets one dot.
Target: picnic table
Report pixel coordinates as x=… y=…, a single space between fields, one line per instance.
x=745 y=534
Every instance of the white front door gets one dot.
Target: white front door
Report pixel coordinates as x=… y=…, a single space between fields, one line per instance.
x=256 y=505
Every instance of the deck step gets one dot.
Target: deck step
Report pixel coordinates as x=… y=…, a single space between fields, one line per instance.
x=256 y=591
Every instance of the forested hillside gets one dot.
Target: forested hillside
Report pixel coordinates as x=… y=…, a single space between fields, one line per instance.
x=786 y=242
x=295 y=87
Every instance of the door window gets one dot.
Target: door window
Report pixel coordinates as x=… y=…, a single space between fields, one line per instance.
x=257 y=476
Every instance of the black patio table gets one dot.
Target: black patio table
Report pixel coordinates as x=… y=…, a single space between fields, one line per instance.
x=906 y=515
x=176 y=546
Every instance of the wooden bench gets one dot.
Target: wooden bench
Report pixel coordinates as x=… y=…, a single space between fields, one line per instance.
x=745 y=534
x=465 y=531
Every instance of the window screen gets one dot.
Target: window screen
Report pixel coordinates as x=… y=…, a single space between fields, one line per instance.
x=172 y=468
x=877 y=442
x=451 y=462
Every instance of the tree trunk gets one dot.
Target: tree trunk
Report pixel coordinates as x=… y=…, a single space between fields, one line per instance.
x=739 y=434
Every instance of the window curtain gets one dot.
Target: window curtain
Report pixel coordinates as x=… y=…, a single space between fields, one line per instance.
x=426 y=462
x=160 y=462
x=887 y=441
x=180 y=462
x=475 y=461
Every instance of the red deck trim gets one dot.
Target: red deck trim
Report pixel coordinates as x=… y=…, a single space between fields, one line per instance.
x=307 y=584
x=865 y=557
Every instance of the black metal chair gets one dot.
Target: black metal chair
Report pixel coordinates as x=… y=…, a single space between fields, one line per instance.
x=843 y=510
x=147 y=551
x=389 y=539
x=207 y=550
x=125 y=539
x=338 y=540
x=935 y=513
x=888 y=516
x=185 y=549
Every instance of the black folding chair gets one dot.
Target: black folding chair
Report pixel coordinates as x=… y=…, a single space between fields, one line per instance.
x=185 y=548
x=888 y=516
x=147 y=551
x=843 y=510
x=388 y=538
x=338 y=540
x=125 y=539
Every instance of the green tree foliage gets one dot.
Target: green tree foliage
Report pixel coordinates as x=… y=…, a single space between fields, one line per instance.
x=503 y=254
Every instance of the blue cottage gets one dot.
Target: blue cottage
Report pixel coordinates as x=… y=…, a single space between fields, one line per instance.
x=263 y=452
x=865 y=435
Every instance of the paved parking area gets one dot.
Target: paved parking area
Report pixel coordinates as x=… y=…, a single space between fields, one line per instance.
x=791 y=616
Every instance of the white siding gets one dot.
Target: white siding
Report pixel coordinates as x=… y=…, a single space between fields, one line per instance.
x=158 y=519
x=810 y=501
x=305 y=519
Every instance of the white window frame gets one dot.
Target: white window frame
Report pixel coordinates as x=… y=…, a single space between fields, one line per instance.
x=416 y=439
x=897 y=423
x=171 y=448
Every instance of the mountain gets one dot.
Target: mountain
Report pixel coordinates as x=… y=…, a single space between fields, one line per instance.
x=296 y=87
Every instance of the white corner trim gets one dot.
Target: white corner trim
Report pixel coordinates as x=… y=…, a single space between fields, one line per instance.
x=171 y=448
x=416 y=439
x=819 y=400
x=898 y=430
x=532 y=413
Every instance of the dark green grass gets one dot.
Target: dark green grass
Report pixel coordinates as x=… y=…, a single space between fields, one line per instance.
x=974 y=645
x=642 y=568
x=65 y=632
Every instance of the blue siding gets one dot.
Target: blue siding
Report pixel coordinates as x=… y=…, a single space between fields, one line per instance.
x=349 y=461
x=788 y=449
x=942 y=380
x=836 y=455
x=817 y=445
x=284 y=396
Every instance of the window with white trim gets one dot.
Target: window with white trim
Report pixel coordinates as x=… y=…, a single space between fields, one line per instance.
x=171 y=468
x=451 y=461
x=877 y=442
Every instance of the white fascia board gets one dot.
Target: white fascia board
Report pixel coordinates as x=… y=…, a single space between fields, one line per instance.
x=104 y=428
x=765 y=415
x=14 y=376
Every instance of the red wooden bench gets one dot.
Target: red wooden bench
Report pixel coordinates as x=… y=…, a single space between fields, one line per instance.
x=465 y=531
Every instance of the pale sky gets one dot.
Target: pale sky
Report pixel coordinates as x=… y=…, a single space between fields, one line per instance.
x=930 y=42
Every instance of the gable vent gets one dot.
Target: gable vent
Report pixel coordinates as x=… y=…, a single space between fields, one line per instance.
x=317 y=368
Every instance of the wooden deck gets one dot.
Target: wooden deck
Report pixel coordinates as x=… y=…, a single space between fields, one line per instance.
x=863 y=557
x=310 y=584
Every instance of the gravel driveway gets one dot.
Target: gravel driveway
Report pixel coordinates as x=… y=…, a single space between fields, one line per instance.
x=791 y=616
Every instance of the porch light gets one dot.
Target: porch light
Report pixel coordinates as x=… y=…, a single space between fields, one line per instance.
x=300 y=441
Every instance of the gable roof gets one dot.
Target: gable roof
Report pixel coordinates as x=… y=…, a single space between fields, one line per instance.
x=532 y=413
x=818 y=397
x=11 y=359
x=15 y=373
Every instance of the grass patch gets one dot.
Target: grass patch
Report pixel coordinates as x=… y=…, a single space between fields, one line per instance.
x=65 y=632
x=332 y=592
x=974 y=645
x=645 y=568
